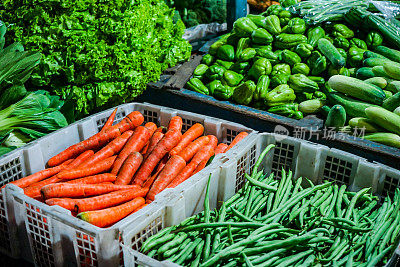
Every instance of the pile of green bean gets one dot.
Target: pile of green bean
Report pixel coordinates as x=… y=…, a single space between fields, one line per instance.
x=277 y=222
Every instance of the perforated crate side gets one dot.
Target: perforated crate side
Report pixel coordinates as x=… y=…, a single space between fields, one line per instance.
x=388 y=180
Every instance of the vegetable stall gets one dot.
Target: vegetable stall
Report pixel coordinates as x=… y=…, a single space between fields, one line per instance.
x=123 y=144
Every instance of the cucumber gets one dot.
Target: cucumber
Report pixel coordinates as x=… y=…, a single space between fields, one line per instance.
x=389 y=53
x=364 y=73
x=397 y=111
x=380 y=72
x=311 y=106
x=357 y=88
x=388 y=94
x=377 y=81
x=360 y=122
x=336 y=117
x=384 y=118
x=392 y=102
x=389 y=139
x=392 y=69
x=374 y=61
x=331 y=53
x=325 y=111
x=370 y=54
x=393 y=86
x=354 y=108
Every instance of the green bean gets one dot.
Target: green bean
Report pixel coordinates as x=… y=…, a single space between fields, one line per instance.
x=197 y=254
x=181 y=247
x=170 y=252
x=308 y=261
x=252 y=192
x=349 y=262
x=246 y=260
x=388 y=234
x=297 y=186
x=293 y=259
x=320 y=200
x=335 y=244
x=345 y=227
x=207 y=244
x=279 y=190
x=380 y=256
x=333 y=201
x=230 y=234
x=354 y=201
x=342 y=220
x=376 y=237
x=169 y=240
x=286 y=190
x=217 y=236
x=268 y=207
x=339 y=202
x=370 y=206
x=260 y=184
x=325 y=205
x=259 y=206
x=152 y=253
x=186 y=252
x=269 y=255
x=339 y=249
x=269 y=262
x=261 y=157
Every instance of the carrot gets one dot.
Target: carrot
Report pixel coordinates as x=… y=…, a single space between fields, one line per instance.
x=136 y=142
x=221 y=148
x=112 y=148
x=161 y=129
x=191 y=149
x=175 y=123
x=149 y=182
x=237 y=139
x=108 y=200
x=201 y=166
x=131 y=121
x=213 y=141
x=66 y=203
x=157 y=136
x=162 y=163
x=129 y=168
x=98 y=167
x=151 y=126
x=39 y=176
x=69 y=190
x=168 y=142
x=190 y=135
x=95 y=179
x=172 y=168
x=110 y=120
x=107 y=217
x=78 y=161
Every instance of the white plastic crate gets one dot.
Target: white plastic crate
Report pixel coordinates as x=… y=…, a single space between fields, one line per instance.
x=316 y=162
x=53 y=234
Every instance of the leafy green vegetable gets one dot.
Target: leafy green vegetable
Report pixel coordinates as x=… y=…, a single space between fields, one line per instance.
x=97 y=53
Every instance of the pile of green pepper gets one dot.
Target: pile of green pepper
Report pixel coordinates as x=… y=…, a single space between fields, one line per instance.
x=277 y=222
x=272 y=62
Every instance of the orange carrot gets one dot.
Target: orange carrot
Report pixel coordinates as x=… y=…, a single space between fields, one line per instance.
x=144 y=149
x=129 y=168
x=191 y=149
x=161 y=129
x=168 y=142
x=131 y=121
x=67 y=203
x=175 y=123
x=237 y=139
x=107 y=217
x=69 y=190
x=162 y=163
x=110 y=120
x=78 y=161
x=151 y=126
x=201 y=166
x=95 y=179
x=108 y=200
x=221 y=148
x=136 y=142
x=213 y=141
x=173 y=167
x=190 y=135
x=39 y=176
x=98 y=167
x=149 y=182
x=112 y=148
x=157 y=136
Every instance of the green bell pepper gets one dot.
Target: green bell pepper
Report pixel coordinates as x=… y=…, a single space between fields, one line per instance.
x=232 y=78
x=303 y=50
x=223 y=92
x=279 y=79
x=273 y=10
x=240 y=67
x=284 y=17
x=280 y=95
x=262 y=88
x=261 y=67
x=273 y=25
x=343 y=53
x=300 y=83
x=244 y=27
x=215 y=46
x=355 y=56
x=243 y=94
x=300 y=68
x=287 y=41
x=314 y=34
x=226 y=52
x=278 y=53
x=317 y=63
x=268 y=54
x=319 y=80
x=247 y=54
x=340 y=71
x=242 y=44
x=261 y=36
x=319 y=95
x=290 y=57
x=341 y=30
x=200 y=70
x=281 y=68
x=289 y=110
x=195 y=84
x=258 y=20
x=213 y=85
x=374 y=39
x=296 y=26
x=287 y=3
x=215 y=72
x=340 y=42
x=358 y=43
x=207 y=60
x=225 y=64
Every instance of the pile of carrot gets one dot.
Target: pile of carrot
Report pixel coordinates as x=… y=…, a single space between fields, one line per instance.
x=122 y=168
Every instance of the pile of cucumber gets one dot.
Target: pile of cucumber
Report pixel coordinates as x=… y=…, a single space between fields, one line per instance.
x=278 y=63
x=283 y=222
